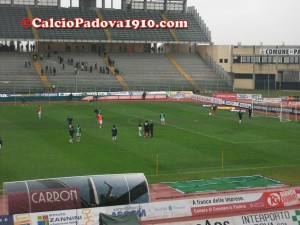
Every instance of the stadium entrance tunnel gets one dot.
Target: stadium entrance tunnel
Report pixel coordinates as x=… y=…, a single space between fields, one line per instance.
x=75 y=192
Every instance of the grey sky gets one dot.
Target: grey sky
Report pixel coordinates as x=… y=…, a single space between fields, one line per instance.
x=250 y=22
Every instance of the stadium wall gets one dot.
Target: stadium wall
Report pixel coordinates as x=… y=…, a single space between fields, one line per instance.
x=219 y=53
x=243 y=83
x=86 y=96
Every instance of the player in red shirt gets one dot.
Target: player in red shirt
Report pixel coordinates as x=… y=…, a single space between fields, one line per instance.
x=40 y=112
x=100 y=117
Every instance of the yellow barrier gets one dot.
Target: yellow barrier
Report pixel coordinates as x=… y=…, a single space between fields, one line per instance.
x=182 y=72
x=118 y=76
x=34 y=31
x=43 y=77
x=174 y=35
x=106 y=31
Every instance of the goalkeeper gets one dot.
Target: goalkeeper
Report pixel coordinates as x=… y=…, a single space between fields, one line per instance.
x=250 y=112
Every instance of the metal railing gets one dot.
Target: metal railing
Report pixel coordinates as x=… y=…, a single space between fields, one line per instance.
x=219 y=70
x=140 y=85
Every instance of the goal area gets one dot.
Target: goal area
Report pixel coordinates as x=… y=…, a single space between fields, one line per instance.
x=274 y=108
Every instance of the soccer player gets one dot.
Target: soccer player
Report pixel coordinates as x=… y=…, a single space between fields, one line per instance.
x=146 y=129
x=78 y=133
x=140 y=128
x=114 y=133
x=240 y=114
x=162 y=118
x=100 y=118
x=71 y=132
x=1 y=142
x=70 y=121
x=214 y=110
x=151 y=128
x=40 y=112
x=97 y=112
x=250 y=112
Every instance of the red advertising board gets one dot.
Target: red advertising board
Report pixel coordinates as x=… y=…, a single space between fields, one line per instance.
x=44 y=200
x=282 y=198
x=246 y=202
x=134 y=97
x=226 y=96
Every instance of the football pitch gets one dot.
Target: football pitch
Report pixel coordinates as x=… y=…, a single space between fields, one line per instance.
x=192 y=145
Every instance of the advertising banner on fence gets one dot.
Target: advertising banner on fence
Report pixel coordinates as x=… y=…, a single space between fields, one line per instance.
x=288 y=217
x=86 y=216
x=219 y=221
x=179 y=94
x=187 y=208
x=154 y=211
x=212 y=100
x=227 y=96
x=245 y=202
x=248 y=96
x=290 y=98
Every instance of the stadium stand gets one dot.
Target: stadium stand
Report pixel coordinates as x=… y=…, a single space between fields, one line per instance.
x=196 y=67
x=15 y=76
x=160 y=35
x=67 y=79
x=190 y=34
x=142 y=75
x=69 y=34
x=183 y=72
x=10 y=23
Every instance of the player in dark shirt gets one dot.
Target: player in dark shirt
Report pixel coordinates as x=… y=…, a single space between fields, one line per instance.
x=114 y=133
x=71 y=132
x=1 y=143
x=240 y=114
x=214 y=110
x=250 y=112
x=146 y=129
x=151 y=128
x=70 y=120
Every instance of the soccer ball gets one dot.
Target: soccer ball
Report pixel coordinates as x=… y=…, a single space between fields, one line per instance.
x=209 y=114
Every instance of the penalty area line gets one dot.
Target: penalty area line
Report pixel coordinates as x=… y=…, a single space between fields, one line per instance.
x=209 y=136
x=209 y=171
x=205 y=135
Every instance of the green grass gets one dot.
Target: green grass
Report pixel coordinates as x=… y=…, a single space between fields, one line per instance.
x=189 y=147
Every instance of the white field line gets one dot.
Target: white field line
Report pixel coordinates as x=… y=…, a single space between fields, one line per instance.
x=220 y=170
x=210 y=136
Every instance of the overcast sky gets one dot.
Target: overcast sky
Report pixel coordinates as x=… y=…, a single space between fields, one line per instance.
x=250 y=22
